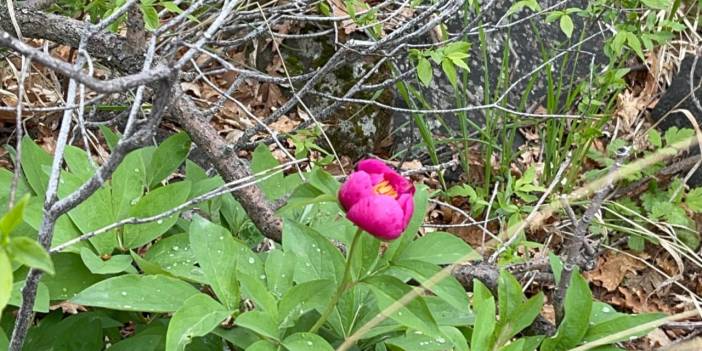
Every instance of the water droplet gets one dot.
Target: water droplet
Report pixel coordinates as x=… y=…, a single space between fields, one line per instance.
x=187 y=261
x=171 y=254
x=221 y=237
x=263 y=276
x=134 y=201
x=440 y=340
x=319 y=250
x=606 y=309
x=160 y=221
x=309 y=343
x=124 y=293
x=175 y=264
x=64 y=289
x=417 y=331
x=282 y=275
x=399 y=314
x=61 y=181
x=314 y=245
x=176 y=248
x=251 y=260
x=136 y=170
x=308 y=264
x=126 y=306
x=219 y=252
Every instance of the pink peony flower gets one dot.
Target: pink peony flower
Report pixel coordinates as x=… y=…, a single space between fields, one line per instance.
x=378 y=199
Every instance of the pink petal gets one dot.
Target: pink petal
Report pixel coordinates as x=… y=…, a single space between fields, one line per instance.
x=406 y=202
x=357 y=186
x=379 y=215
x=373 y=166
x=399 y=183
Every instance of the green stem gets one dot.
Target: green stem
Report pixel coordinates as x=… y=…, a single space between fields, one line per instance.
x=342 y=286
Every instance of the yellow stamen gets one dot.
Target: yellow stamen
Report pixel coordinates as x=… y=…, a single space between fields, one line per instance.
x=384 y=188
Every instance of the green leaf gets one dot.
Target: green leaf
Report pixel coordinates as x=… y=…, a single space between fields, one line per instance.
x=316 y=258
x=29 y=253
x=78 y=162
x=449 y=289
x=198 y=316
x=450 y=71
x=41 y=303
x=217 y=253
x=633 y=42
x=439 y=248
x=693 y=199
x=306 y=342
x=153 y=203
x=263 y=345
x=421 y=199
x=71 y=276
x=150 y=16
x=619 y=324
x=419 y=342
x=303 y=298
x=173 y=255
x=116 y=263
x=578 y=304
x=12 y=218
x=566 y=24
x=262 y=160
x=5 y=279
x=34 y=158
x=447 y=315
x=658 y=4
x=416 y=315
x=509 y=295
x=424 y=71
x=128 y=184
x=262 y=323
x=484 y=308
x=280 y=268
x=150 y=293
x=654 y=137
x=168 y=156
x=255 y=289
x=522 y=317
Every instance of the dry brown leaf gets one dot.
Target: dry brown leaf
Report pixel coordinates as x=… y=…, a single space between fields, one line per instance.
x=284 y=125
x=68 y=307
x=611 y=269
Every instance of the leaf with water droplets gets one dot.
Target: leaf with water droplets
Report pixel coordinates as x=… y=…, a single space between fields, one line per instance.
x=168 y=156
x=116 y=263
x=198 y=316
x=280 y=267
x=310 y=264
x=262 y=323
x=130 y=292
x=217 y=258
x=306 y=342
x=180 y=262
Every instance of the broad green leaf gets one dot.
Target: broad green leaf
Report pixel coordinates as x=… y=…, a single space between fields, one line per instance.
x=456 y=337
x=148 y=267
x=450 y=71
x=127 y=184
x=198 y=316
x=6 y=184
x=633 y=42
x=29 y=253
x=239 y=337
x=64 y=229
x=654 y=137
x=324 y=182
x=619 y=324
x=41 y=303
x=262 y=323
x=5 y=279
x=419 y=342
x=174 y=255
x=255 y=289
x=439 y=248
x=578 y=304
x=168 y=156
x=78 y=162
x=415 y=314
x=12 y=218
x=4 y=342
x=566 y=24
x=263 y=160
x=116 y=263
x=280 y=268
x=522 y=317
x=484 y=309
x=302 y=298
x=150 y=293
x=34 y=158
x=424 y=71
x=263 y=345
x=217 y=254
x=316 y=258
x=83 y=331
x=71 y=277
x=509 y=295
x=150 y=16
x=153 y=203
x=448 y=289
x=447 y=315
x=306 y=342
x=147 y=342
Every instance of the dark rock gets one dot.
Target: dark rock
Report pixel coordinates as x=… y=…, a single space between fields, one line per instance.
x=678 y=96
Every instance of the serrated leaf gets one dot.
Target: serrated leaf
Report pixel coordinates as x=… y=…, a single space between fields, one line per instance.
x=198 y=316
x=141 y=293
x=693 y=199
x=654 y=137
